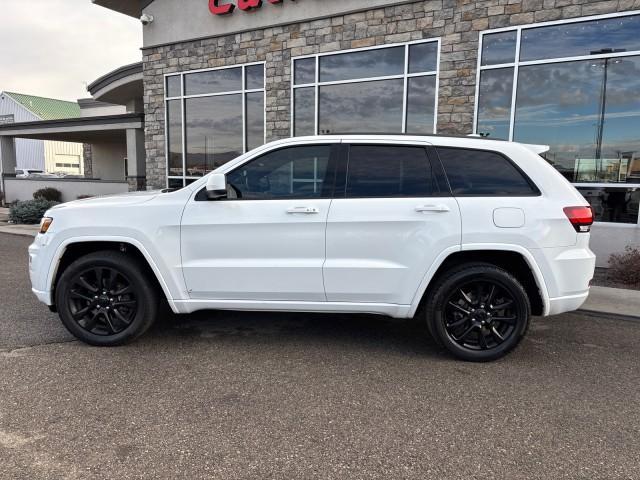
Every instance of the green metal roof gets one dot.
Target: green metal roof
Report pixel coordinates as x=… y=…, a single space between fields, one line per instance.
x=47 y=108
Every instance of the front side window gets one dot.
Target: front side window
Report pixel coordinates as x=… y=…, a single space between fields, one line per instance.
x=376 y=90
x=388 y=171
x=294 y=172
x=212 y=116
x=572 y=85
x=482 y=173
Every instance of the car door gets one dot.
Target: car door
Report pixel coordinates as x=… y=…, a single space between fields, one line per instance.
x=395 y=218
x=266 y=240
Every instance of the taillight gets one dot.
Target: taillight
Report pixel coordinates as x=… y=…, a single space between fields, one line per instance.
x=580 y=217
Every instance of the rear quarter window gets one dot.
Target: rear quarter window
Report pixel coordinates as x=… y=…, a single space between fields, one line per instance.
x=483 y=173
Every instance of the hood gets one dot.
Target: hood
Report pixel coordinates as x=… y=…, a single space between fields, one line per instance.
x=131 y=198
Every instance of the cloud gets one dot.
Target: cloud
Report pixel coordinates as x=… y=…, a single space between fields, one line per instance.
x=55 y=47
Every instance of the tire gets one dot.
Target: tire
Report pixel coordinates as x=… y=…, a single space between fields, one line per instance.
x=124 y=313
x=477 y=311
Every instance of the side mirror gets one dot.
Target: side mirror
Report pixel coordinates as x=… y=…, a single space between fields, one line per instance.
x=217 y=186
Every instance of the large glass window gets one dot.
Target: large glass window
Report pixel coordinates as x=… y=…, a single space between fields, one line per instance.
x=213 y=116
x=575 y=86
x=380 y=89
x=295 y=172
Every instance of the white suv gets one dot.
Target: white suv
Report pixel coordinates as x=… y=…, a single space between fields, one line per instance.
x=472 y=235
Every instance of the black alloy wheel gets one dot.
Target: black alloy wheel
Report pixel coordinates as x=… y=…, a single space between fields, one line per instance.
x=478 y=311
x=102 y=301
x=107 y=298
x=480 y=315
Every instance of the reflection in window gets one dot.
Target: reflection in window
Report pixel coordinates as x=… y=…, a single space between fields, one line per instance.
x=174 y=89
x=255 y=119
x=374 y=107
x=368 y=63
x=499 y=48
x=581 y=38
x=420 y=105
x=305 y=70
x=222 y=120
x=613 y=204
x=494 y=103
x=214 y=132
x=351 y=96
x=296 y=172
x=213 y=81
x=174 y=137
x=304 y=122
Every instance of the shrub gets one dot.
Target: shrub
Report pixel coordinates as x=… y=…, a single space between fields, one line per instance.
x=51 y=194
x=30 y=212
x=625 y=267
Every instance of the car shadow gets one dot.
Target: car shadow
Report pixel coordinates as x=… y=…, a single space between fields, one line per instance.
x=357 y=330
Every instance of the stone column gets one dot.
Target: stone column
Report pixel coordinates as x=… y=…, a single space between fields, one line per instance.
x=136 y=160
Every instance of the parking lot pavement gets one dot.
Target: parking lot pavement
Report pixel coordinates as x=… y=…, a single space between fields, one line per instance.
x=252 y=395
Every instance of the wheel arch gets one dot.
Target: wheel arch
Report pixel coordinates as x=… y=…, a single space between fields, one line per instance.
x=73 y=249
x=513 y=258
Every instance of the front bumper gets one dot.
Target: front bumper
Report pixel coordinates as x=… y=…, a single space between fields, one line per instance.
x=40 y=258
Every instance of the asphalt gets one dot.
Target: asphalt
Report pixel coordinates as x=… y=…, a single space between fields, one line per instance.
x=270 y=396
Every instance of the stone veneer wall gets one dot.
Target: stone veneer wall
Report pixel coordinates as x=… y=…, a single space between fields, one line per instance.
x=87 y=160
x=457 y=22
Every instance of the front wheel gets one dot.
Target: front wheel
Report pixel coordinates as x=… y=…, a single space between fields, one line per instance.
x=479 y=312
x=105 y=299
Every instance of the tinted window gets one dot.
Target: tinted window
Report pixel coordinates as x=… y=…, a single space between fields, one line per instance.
x=380 y=171
x=475 y=172
x=499 y=48
x=296 y=172
x=214 y=81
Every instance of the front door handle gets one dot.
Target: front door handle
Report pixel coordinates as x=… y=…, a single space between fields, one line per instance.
x=303 y=210
x=433 y=208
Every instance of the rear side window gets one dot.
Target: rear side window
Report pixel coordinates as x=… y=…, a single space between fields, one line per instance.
x=388 y=171
x=482 y=173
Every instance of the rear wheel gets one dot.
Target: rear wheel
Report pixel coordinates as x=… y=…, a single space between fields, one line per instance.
x=105 y=299
x=479 y=312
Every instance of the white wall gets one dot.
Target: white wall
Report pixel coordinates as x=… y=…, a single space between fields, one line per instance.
x=103 y=111
x=21 y=189
x=63 y=152
x=108 y=160
x=608 y=238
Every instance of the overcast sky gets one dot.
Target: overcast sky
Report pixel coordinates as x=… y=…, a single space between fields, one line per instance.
x=53 y=48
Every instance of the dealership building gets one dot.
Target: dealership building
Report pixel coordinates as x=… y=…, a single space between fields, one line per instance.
x=220 y=77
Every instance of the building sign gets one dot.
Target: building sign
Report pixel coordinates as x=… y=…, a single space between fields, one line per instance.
x=225 y=7
x=6 y=119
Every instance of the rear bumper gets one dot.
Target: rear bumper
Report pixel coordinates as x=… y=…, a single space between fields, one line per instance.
x=567 y=304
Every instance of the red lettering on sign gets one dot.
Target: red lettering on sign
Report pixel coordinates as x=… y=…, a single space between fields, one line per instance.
x=217 y=9
x=249 y=4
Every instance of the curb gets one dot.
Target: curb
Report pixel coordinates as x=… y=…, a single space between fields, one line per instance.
x=608 y=315
x=18 y=231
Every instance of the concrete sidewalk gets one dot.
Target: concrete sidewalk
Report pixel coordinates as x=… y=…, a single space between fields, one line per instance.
x=25 y=230
x=613 y=301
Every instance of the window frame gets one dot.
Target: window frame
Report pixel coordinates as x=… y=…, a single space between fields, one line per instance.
x=535 y=190
x=516 y=64
x=332 y=167
x=183 y=100
x=405 y=76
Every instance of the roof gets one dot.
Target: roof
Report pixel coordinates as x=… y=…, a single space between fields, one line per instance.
x=46 y=108
x=115 y=75
x=133 y=8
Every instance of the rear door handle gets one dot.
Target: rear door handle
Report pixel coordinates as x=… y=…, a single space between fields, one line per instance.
x=303 y=210
x=433 y=208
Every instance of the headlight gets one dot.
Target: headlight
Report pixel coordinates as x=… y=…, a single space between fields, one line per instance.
x=45 y=223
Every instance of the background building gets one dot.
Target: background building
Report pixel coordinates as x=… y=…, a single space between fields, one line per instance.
x=48 y=156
